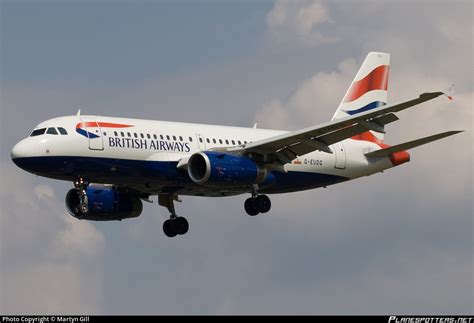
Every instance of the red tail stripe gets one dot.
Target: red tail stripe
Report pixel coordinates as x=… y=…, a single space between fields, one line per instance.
x=368 y=136
x=375 y=80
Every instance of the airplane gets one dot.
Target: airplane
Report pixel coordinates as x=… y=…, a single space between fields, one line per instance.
x=130 y=160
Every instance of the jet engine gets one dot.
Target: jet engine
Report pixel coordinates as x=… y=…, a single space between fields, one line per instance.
x=104 y=204
x=223 y=169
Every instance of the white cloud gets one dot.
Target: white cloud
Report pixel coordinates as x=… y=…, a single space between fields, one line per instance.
x=311 y=102
x=315 y=100
x=300 y=20
x=50 y=262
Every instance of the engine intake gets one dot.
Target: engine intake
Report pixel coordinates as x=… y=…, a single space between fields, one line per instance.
x=222 y=169
x=105 y=204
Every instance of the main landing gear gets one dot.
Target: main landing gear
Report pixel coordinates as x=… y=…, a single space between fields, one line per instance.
x=81 y=185
x=175 y=225
x=257 y=204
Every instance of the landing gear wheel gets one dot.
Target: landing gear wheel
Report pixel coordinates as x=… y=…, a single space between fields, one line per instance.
x=249 y=206
x=176 y=224
x=169 y=228
x=181 y=225
x=262 y=203
x=84 y=208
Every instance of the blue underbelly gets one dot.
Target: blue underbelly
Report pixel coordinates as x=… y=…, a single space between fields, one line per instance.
x=125 y=171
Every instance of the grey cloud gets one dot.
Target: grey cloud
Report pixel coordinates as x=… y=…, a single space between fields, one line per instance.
x=299 y=23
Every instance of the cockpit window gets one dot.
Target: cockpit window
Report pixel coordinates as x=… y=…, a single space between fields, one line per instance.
x=52 y=131
x=62 y=131
x=38 y=132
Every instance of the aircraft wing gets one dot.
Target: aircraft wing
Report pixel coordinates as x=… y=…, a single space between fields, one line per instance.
x=284 y=148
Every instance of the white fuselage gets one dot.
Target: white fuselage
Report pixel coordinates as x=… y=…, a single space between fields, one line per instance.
x=144 y=154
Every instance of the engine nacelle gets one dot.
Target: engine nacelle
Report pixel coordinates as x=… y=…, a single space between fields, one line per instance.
x=105 y=204
x=221 y=169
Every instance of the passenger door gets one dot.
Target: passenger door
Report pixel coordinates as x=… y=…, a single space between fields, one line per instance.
x=94 y=134
x=201 y=142
x=340 y=156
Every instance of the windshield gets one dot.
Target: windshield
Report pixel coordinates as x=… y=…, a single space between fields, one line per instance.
x=49 y=131
x=38 y=132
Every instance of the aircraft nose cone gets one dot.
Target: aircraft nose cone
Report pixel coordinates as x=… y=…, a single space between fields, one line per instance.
x=18 y=151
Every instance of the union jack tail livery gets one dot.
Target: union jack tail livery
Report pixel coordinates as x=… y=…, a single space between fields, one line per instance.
x=369 y=88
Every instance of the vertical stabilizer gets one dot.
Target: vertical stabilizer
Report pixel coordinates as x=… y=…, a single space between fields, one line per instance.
x=369 y=88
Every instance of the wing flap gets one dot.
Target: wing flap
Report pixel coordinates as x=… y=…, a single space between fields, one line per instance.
x=410 y=144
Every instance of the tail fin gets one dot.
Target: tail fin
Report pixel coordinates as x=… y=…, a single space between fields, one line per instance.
x=369 y=88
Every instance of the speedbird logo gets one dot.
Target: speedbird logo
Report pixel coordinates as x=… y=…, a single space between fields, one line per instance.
x=93 y=124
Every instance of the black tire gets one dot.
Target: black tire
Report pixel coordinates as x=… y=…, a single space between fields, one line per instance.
x=181 y=225
x=169 y=229
x=84 y=208
x=263 y=204
x=249 y=206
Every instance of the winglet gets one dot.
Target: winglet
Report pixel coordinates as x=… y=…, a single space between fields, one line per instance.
x=450 y=92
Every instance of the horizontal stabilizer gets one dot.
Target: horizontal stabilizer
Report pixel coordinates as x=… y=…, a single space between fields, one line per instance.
x=410 y=144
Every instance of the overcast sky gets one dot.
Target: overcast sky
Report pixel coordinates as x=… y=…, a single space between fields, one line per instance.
x=397 y=242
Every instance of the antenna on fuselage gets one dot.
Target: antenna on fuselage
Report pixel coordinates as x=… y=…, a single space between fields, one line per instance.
x=78 y=112
x=255 y=126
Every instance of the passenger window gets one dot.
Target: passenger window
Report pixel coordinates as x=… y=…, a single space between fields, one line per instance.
x=174 y=138
x=105 y=133
x=233 y=142
x=161 y=137
x=135 y=135
x=62 y=131
x=128 y=134
x=240 y=143
x=226 y=142
x=115 y=133
x=214 y=140
x=167 y=137
x=208 y=141
x=148 y=136
x=180 y=138
x=38 y=132
x=190 y=139
x=154 y=136
x=122 y=134
x=200 y=139
x=52 y=131
x=220 y=141
x=142 y=136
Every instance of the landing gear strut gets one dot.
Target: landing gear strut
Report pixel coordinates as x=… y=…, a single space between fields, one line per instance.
x=81 y=185
x=257 y=203
x=175 y=224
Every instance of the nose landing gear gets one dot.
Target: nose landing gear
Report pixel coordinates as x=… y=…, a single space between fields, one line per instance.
x=81 y=185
